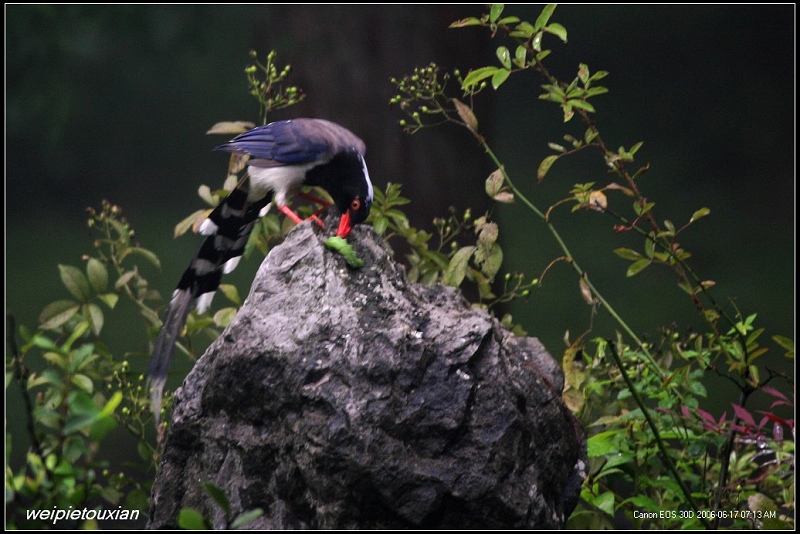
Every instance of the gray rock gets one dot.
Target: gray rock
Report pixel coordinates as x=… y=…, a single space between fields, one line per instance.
x=354 y=399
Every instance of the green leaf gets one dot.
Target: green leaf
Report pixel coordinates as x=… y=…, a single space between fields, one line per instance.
x=499 y=77
x=581 y=104
x=95 y=316
x=57 y=313
x=523 y=30
x=650 y=246
x=247 y=517
x=491 y=265
x=56 y=359
x=520 y=56
x=644 y=502
x=191 y=519
x=98 y=274
x=504 y=56
x=124 y=279
x=568 y=111
x=83 y=382
x=605 y=503
x=79 y=421
x=204 y=192
x=469 y=21
x=594 y=91
x=637 y=267
x=475 y=76
x=75 y=282
x=187 y=223
x=602 y=444
x=224 y=316
x=380 y=224
x=558 y=30
x=111 y=405
x=457 y=268
x=149 y=256
x=109 y=299
x=583 y=72
x=219 y=497
x=699 y=214
x=544 y=17
x=508 y=20
x=627 y=254
x=545 y=165
x=495 y=12
x=231 y=293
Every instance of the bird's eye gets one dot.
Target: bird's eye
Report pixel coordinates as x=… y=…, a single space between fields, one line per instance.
x=355 y=205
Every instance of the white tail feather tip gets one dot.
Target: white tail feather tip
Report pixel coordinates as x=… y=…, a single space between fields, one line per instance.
x=204 y=301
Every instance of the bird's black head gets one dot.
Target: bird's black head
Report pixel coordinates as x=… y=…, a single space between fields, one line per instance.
x=346 y=179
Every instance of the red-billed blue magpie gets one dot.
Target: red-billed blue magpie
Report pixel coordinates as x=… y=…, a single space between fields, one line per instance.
x=283 y=156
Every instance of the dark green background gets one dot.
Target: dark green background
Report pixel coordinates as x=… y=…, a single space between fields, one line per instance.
x=113 y=102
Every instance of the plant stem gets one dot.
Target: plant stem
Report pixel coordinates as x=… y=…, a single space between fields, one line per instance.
x=572 y=261
x=652 y=424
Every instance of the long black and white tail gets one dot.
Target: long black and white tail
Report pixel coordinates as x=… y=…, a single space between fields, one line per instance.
x=227 y=228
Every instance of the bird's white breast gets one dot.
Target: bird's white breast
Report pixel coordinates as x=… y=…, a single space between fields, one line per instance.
x=281 y=180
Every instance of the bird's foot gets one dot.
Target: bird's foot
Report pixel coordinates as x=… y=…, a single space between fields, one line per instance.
x=297 y=219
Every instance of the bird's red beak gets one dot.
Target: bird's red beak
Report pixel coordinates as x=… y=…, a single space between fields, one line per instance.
x=344 y=225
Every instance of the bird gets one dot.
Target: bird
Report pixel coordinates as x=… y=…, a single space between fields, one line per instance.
x=283 y=156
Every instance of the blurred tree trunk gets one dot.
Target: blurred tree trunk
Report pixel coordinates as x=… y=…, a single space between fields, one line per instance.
x=344 y=56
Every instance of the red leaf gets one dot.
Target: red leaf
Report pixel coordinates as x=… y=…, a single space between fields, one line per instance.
x=743 y=414
x=774 y=392
x=775 y=419
x=707 y=416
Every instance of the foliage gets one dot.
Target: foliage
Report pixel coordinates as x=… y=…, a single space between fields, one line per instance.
x=76 y=392
x=658 y=459
x=84 y=391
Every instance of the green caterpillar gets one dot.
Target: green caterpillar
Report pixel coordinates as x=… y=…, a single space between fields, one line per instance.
x=340 y=245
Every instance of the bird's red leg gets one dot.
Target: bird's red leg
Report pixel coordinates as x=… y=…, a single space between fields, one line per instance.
x=324 y=203
x=297 y=219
